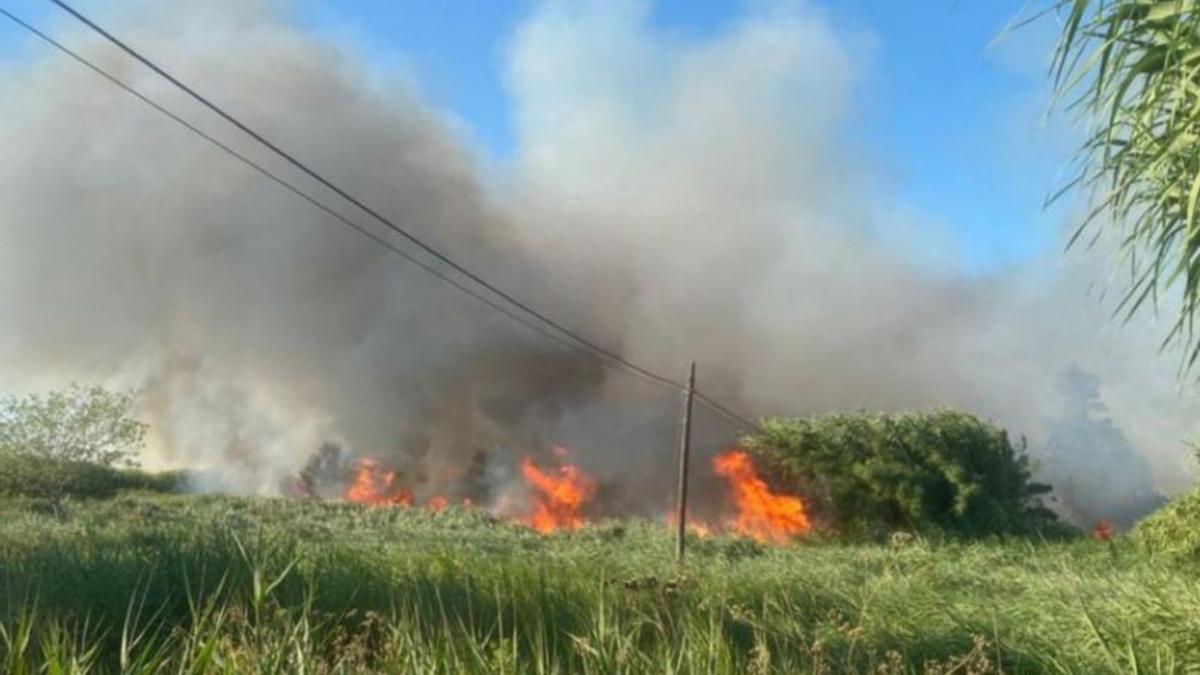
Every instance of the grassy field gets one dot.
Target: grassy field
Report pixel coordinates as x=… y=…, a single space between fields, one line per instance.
x=160 y=583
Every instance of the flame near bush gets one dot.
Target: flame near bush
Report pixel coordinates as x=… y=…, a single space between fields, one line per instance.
x=761 y=514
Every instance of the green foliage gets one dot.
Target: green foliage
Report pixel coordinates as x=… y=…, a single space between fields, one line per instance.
x=203 y=584
x=24 y=475
x=1173 y=531
x=943 y=472
x=1131 y=69
x=81 y=424
x=72 y=443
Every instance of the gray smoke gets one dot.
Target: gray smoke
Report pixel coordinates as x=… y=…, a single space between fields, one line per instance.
x=255 y=326
x=723 y=177
x=673 y=200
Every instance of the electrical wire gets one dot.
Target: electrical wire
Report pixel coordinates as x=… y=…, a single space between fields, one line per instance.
x=581 y=345
x=713 y=405
x=388 y=222
x=290 y=187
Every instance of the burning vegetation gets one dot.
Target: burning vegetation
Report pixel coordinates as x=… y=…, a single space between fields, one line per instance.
x=561 y=495
x=558 y=495
x=374 y=485
x=860 y=476
x=761 y=514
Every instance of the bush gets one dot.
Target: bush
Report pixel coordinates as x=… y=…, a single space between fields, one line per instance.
x=943 y=472
x=24 y=475
x=1172 y=531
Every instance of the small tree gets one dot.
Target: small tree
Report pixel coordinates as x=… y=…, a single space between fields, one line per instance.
x=80 y=425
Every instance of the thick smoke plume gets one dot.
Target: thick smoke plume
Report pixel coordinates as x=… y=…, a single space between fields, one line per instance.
x=674 y=200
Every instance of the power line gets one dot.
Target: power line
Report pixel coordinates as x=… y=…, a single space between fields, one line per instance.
x=290 y=187
x=711 y=404
x=388 y=222
x=603 y=356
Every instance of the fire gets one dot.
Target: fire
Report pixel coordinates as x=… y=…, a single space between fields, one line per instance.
x=698 y=528
x=762 y=514
x=559 y=495
x=1104 y=530
x=374 y=485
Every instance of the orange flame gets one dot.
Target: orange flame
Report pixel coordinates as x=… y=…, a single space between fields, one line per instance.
x=762 y=514
x=558 y=495
x=373 y=485
x=699 y=528
x=437 y=503
x=1104 y=530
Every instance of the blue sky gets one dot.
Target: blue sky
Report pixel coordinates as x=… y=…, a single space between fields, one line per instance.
x=957 y=126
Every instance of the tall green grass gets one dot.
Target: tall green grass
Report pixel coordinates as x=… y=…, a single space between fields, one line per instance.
x=216 y=584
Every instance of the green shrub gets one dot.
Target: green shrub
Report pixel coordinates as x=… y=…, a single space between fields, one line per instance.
x=943 y=472
x=53 y=479
x=1172 y=531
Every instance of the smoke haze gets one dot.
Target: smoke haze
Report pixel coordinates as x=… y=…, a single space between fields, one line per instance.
x=674 y=200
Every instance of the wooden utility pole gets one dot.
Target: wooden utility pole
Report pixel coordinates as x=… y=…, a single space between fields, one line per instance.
x=685 y=447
